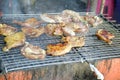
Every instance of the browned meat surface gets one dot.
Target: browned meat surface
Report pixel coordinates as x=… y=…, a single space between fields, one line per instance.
x=58 y=49
x=68 y=16
x=54 y=29
x=30 y=22
x=48 y=18
x=72 y=16
x=105 y=35
x=74 y=41
x=68 y=31
x=33 y=52
x=72 y=20
x=93 y=20
x=65 y=17
x=71 y=29
x=14 y=40
x=33 y=32
x=7 y=30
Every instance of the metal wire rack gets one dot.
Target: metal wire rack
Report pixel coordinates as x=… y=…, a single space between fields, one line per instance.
x=94 y=49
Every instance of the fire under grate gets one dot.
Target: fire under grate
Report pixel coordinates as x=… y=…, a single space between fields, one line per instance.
x=94 y=49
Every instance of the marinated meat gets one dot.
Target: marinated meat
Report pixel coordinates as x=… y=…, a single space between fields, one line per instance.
x=82 y=28
x=30 y=22
x=33 y=32
x=93 y=20
x=14 y=40
x=105 y=35
x=71 y=29
x=72 y=20
x=7 y=30
x=58 y=49
x=68 y=31
x=72 y=16
x=47 y=18
x=58 y=31
x=33 y=52
x=65 y=17
x=54 y=29
x=68 y=16
x=74 y=41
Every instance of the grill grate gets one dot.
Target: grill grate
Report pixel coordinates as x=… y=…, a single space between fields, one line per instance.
x=94 y=49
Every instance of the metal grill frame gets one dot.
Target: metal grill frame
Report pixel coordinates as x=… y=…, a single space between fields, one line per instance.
x=13 y=60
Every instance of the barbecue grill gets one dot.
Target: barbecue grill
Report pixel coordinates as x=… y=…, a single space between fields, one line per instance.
x=94 y=49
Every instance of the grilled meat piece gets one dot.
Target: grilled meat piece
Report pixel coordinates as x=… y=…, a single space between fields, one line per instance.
x=65 y=17
x=105 y=35
x=58 y=49
x=54 y=29
x=7 y=30
x=72 y=16
x=55 y=18
x=82 y=28
x=14 y=40
x=33 y=32
x=33 y=52
x=93 y=20
x=68 y=31
x=71 y=29
x=47 y=18
x=74 y=41
x=30 y=22
x=68 y=16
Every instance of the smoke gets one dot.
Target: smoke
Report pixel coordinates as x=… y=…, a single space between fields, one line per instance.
x=10 y=7
x=41 y=6
x=74 y=71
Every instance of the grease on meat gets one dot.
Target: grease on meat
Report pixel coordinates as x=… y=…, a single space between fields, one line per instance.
x=7 y=30
x=14 y=40
x=74 y=41
x=105 y=35
x=93 y=20
x=65 y=17
x=30 y=22
x=71 y=29
x=58 y=49
x=33 y=52
x=33 y=32
x=54 y=29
